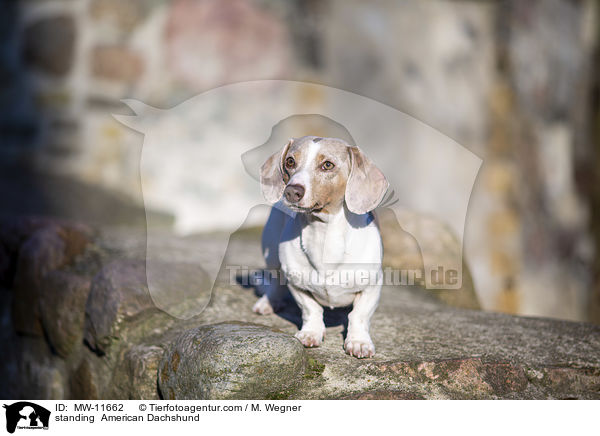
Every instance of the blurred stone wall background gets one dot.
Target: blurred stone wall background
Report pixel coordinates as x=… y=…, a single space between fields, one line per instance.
x=516 y=82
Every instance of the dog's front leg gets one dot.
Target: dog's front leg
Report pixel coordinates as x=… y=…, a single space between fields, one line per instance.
x=358 y=342
x=274 y=293
x=273 y=288
x=313 y=328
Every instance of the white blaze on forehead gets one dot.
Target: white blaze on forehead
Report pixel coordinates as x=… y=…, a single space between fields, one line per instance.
x=303 y=176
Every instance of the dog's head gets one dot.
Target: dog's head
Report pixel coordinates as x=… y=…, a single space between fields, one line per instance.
x=318 y=174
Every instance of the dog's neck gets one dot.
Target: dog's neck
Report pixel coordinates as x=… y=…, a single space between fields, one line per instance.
x=337 y=215
x=324 y=216
x=323 y=237
x=331 y=212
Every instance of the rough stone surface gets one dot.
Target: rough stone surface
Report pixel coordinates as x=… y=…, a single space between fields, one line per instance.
x=383 y=395
x=41 y=253
x=402 y=251
x=116 y=63
x=35 y=372
x=118 y=294
x=49 y=45
x=425 y=349
x=435 y=351
x=14 y=231
x=231 y=360
x=82 y=383
x=233 y=41
x=118 y=15
x=62 y=309
x=135 y=378
x=51 y=245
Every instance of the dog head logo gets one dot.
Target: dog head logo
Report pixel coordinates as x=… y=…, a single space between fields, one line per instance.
x=26 y=415
x=191 y=166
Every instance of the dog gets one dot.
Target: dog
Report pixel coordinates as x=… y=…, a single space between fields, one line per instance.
x=322 y=236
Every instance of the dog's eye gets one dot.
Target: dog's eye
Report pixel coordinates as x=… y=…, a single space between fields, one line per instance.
x=290 y=162
x=327 y=165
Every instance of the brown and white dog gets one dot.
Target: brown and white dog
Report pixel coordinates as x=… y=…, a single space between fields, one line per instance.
x=322 y=236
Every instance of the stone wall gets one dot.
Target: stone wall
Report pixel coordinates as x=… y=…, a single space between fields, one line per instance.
x=511 y=81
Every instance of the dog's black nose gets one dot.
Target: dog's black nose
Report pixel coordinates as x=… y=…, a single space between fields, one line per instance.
x=294 y=193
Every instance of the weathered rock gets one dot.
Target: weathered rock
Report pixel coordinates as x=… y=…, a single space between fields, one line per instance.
x=253 y=42
x=135 y=377
x=76 y=237
x=402 y=252
x=384 y=395
x=116 y=63
x=15 y=231
x=82 y=383
x=62 y=308
x=118 y=294
x=231 y=361
x=40 y=373
x=182 y=289
x=424 y=348
x=49 y=44
x=123 y=16
x=434 y=352
x=43 y=252
x=52 y=245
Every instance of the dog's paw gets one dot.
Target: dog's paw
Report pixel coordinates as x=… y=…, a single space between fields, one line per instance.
x=359 y=347
x=263 y=306
x=309 y=338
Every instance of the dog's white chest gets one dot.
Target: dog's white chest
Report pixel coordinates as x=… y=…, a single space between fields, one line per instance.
x=321 y=282
x=323 y=244
x=322 y=258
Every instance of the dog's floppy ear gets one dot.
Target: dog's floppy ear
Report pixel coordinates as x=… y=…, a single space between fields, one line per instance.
x=272 y=175
x=366 y=184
